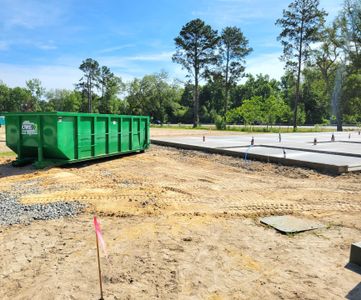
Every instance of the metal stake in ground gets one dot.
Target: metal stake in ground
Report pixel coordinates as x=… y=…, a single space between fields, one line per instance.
x=96 y=225
x=279 y=137
x=252 y=141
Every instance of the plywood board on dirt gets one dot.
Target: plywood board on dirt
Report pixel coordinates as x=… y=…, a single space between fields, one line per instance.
x=290 y=224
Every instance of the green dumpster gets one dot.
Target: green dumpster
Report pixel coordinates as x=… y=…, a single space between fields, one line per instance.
x=57 y=138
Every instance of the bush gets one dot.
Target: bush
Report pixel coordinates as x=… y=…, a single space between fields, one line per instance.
x=220 y=122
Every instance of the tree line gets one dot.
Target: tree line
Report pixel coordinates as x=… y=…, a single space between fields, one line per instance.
x=321 y=83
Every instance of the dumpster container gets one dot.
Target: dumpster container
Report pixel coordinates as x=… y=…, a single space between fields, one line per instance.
x=57 y=138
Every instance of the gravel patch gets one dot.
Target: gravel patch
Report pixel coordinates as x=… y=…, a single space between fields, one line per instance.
x=13 y=212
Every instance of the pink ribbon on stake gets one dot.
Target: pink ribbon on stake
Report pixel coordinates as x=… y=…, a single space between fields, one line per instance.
x=98 y=232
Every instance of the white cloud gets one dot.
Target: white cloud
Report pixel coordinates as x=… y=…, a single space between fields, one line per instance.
x=234 y=12
x=42 y=45
x=163 y=56
x=266 y=64
x=45 y=45
x=51 y=76
x=65 y=76
x=132 y=62
x=31 y=14
x=116 y=48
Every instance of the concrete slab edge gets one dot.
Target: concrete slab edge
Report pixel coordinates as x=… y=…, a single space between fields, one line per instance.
x=310 y=150
x=332 y=169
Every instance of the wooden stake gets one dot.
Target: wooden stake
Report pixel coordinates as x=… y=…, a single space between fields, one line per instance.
x=100 y=272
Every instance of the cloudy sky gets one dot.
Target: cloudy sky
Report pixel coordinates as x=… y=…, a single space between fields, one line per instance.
x=49 y=39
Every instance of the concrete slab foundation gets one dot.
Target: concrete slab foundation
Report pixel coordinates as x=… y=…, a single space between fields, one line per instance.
x=296 y=149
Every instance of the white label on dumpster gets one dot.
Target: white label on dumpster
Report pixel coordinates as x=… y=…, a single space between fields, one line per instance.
x=29 y=128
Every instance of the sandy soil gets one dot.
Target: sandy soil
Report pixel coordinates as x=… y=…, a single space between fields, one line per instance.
x=183 y=225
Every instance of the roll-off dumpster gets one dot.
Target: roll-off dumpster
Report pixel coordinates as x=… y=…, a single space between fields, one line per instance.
x=56 y=138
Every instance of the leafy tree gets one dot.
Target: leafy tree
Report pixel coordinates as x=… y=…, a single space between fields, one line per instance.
x=63 y=100
x=258 y=110
x=105 y=76
x=186 y=101
x=316 y=96
x=153 y=96
x=90 y=79
x=349 y=41
x=211 y=98
x=110 y=86
x=261 y=85
x=4 y=96
x=351 y=98
x=234 y=115
x=301 y=24
x=349 y=24
x=20 y=99
x=195 y=51
x=36 y=88
x=233 y=48
x=325 y=57
x=274 y=108
x=251 y=110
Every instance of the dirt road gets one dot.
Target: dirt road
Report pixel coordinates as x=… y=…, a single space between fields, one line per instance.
x=183 y=225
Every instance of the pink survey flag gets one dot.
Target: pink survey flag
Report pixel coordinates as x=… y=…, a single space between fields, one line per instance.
x=98 y=232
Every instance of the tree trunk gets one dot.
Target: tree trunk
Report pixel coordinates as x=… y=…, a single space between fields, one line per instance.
x=196 y=100
x=339 y=120
x=227 y=87
x=337 y=96
x=89 y=97
x=298 y=79
x=338 y=105
x=297 y=97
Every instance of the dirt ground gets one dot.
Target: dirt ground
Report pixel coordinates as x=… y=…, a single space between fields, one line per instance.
x=183 y=225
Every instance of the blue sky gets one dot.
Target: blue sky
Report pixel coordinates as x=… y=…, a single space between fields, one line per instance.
x=49 y=39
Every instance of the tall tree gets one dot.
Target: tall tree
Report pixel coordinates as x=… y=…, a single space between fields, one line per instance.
x=152 y=95
x=105 y=76
x=325 y=57
x=36 y=89
x=349 y=39
x=110 y=86
x=301 y=24
x=63 y=100
x=4 y=96
x=349 y=23
x=195 y=51
x=90 y=79
x=233 y=48
x=20 y=99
